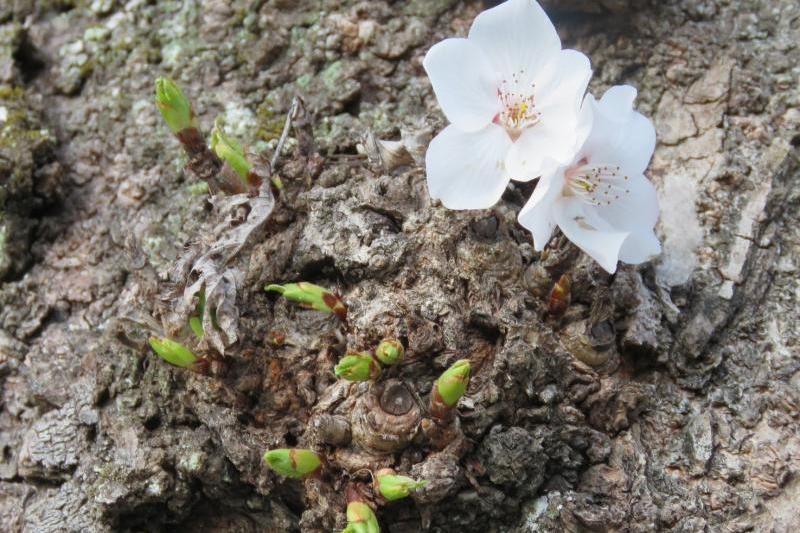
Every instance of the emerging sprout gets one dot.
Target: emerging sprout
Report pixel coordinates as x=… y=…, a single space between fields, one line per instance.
x=292 y=462
x=449 y=388
x=389 y=351
x=394 y=487
x=357 y=367
x=361 y=519
x=312 y=296
x=229 y=150
x=196 y=320
x=174 y=107
x=173 y=352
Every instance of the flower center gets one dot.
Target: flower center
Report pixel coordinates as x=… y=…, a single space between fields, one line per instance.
x=596 y=185
x=517 y=105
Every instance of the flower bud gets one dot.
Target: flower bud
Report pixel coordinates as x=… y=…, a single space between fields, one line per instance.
x=312 y=296
x=452 y=384
x=229 y=150
x=394 y=487
x=389 y=351
x=173 y=352
x=292 y=462
x=361 y=519
x=357 y=367
x=174 y=107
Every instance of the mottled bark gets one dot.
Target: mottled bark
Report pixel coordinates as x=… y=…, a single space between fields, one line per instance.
x=663 y=398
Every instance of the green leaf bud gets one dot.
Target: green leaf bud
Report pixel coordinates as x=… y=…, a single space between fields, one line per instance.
x=394 y=487
x=292 y=462
x=173 y=352
x=361 y=519
x=174 y=106
x=452 y=384
x=196 y=325
x=390 y=351
x=312 y=296
x=229 y=150
x=357 y=367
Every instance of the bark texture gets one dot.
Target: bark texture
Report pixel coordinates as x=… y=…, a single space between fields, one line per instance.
x=665 y=398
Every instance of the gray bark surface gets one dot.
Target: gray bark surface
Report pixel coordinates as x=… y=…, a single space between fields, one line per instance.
x=664 y=399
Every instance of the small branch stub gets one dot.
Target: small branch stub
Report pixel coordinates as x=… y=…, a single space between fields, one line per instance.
x=449 y=388
x=312 y=297
x=385 y=419
x=292 y=462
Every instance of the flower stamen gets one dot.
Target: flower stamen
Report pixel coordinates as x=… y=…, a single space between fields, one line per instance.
x=518 y=107
x=596 y=185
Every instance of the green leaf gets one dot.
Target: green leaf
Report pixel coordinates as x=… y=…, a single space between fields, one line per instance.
x=229 y=150
x=172 y=352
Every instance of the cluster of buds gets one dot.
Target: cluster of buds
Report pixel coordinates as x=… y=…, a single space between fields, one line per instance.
x=312 y=296
x=224 y=166
x=292 y=462
x=448 y=389
x=364 y=366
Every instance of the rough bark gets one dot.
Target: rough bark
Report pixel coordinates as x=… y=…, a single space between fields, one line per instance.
x=664 y=398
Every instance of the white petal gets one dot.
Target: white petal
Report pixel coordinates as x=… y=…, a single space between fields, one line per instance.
x=619 y=136
x=537 y=214
x=516 y=35
x=563 y=82
x=590 y=233
x=466 y=169
x=639 y=247
x=636 y=209
x=464 y=82
x=618 y=101
x=540 y=148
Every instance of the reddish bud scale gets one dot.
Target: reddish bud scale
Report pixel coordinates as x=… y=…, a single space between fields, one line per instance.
x=192 y=141
x=438 y=408
x=336 y=304
x=559 y=298
x=278 y=338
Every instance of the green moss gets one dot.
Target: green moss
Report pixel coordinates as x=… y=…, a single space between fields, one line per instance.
x=270 y=123
x=331 y=75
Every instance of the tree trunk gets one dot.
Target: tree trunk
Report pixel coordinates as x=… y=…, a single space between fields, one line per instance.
x=664 y=398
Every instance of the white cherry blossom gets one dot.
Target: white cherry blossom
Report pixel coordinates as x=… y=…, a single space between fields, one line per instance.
x=512 y=97
x=601 y=200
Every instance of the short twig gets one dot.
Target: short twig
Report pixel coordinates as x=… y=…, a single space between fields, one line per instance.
x=285 y=133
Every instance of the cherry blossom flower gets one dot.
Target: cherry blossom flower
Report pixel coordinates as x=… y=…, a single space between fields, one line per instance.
x=512 y=97
x=601 y=200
